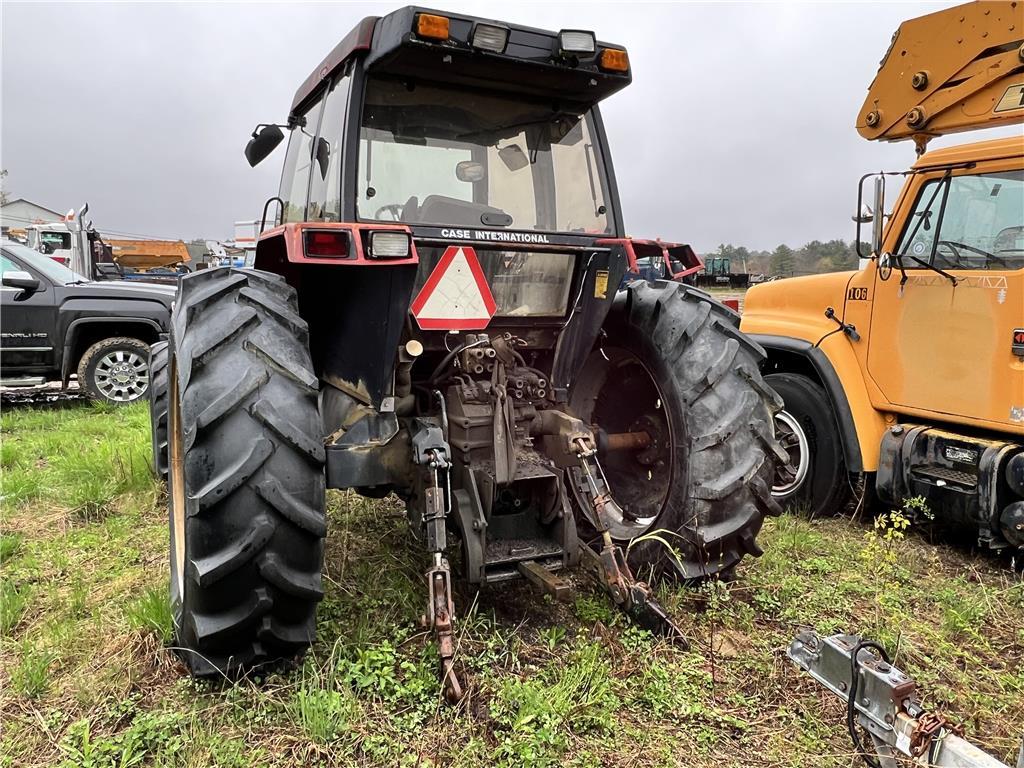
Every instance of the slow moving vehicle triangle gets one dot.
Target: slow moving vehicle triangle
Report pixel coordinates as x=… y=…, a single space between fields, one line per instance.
x=456 y=296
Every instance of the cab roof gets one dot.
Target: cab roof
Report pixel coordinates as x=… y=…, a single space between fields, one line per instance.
x=993 y=149
x=530 y=62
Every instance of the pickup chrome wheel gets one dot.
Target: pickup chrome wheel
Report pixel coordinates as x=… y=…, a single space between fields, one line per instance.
x=115 y=370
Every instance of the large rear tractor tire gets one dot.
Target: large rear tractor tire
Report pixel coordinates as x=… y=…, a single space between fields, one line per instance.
x=246 y=479
x=674 y=365
x=814 y=479
x=158 y=407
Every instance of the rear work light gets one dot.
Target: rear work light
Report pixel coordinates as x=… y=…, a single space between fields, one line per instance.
x=432 y=27
x=576 y=41
x=389 y=245
x=614 y=60
x=490 y=38
x=331 y=244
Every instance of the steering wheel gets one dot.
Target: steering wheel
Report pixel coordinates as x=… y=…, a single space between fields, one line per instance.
x=395 y=209
x=955 y=246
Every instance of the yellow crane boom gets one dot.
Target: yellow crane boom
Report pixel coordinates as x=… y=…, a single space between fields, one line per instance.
x=958 y=69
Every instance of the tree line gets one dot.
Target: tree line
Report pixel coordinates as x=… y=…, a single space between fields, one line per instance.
x=812 y=258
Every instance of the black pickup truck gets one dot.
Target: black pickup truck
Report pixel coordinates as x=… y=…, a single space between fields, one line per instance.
x=54 y=324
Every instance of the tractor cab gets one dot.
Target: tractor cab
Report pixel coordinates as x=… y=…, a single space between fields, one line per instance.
x=423 y=132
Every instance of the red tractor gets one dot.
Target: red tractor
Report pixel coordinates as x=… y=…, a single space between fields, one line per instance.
x=435 y=315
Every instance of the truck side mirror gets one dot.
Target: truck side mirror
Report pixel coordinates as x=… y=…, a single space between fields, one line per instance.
x=866 y=215
x=878 y=220
x=264 y=141
x=23 y=281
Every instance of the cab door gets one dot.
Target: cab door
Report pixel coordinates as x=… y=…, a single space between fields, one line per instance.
x=28 y=342
x=942 y=345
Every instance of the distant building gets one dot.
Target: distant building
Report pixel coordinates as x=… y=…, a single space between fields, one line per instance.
x=18 y=214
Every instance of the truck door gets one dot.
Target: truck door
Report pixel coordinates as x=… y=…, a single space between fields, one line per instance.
x=943 y=345
x=27 y=327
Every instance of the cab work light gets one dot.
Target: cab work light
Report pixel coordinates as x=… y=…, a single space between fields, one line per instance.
x=614 y=60
x=432 y=27
x=389 y=245
x=576 y=41
x=490 y=38
x=331 y=244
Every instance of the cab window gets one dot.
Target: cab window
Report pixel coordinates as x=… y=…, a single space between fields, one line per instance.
x=298 y=162
x=980 y=226
x=325 y=184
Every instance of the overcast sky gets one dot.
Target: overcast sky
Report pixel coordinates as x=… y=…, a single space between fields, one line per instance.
x=738 y=126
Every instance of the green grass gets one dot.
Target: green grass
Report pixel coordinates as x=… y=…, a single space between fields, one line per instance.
x=86 y=679
x=151 y=612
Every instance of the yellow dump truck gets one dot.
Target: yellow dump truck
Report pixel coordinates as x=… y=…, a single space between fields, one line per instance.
x=910 y=370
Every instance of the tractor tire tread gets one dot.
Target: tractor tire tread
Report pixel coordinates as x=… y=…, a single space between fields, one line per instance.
x=254 y=473
x=728 y=416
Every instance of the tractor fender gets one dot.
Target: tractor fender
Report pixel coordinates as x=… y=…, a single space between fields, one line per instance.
x=833 y=364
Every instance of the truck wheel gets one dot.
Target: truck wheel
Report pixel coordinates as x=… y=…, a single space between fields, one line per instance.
x=246 y=479
x=158 y=407
x=115 y=370
x=675 y=366
x=814 y=479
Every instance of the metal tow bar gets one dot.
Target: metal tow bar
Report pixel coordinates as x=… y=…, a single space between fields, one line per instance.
x=609 y=565
x=883 y=701
x=440 y=616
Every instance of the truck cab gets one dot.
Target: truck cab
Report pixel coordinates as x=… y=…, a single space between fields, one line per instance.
x=910 y=370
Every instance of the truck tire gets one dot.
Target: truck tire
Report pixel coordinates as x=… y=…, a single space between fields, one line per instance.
x=246 y=479
x=115 y=370
x=674 y=364
x=814 y=480
x=158 y=407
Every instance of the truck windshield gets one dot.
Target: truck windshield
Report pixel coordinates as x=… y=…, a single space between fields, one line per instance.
x=970 y=221
x=438 y=154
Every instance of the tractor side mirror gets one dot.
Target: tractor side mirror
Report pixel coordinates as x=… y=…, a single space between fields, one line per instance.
x=323 y=155
x=264 y=141
x=23 y=281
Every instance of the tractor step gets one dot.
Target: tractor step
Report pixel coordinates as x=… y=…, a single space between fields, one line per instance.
x=503 y=557
x=545 y=580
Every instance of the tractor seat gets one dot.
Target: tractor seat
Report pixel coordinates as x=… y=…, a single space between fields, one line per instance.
x=438 y=209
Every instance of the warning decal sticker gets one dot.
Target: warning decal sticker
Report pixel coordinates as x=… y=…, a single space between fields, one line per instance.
x=456 y=296
x=1012 y=99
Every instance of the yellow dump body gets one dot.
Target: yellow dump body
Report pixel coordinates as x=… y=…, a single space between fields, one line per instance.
x=148 y=254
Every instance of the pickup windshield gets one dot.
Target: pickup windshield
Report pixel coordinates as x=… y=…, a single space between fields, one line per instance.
x=438 y=154
x=56 y=272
